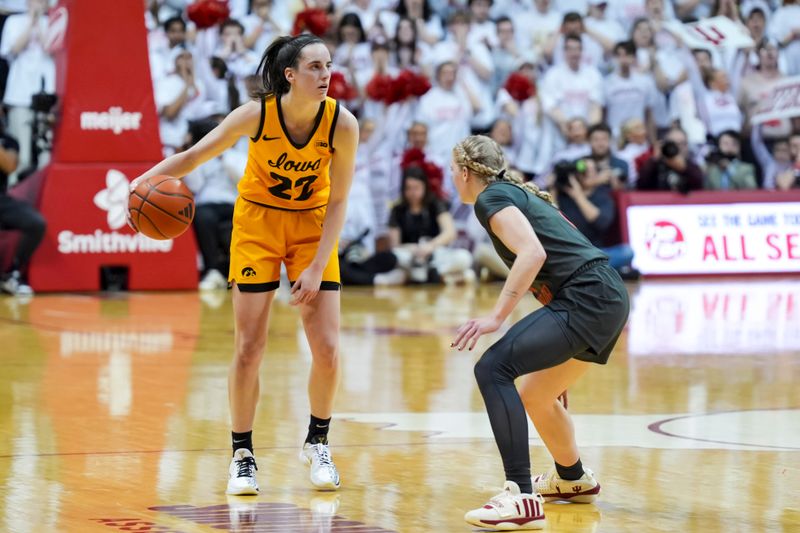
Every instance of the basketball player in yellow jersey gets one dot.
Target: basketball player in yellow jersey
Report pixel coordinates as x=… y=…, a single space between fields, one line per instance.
x=291 y=209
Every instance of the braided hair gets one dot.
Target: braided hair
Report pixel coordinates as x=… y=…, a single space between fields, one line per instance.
x=484 y=158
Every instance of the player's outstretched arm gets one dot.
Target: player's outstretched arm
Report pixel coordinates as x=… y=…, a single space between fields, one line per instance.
x=241 y=121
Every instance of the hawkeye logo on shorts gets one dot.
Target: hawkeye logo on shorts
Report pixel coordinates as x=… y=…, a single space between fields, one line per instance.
x=248 y=272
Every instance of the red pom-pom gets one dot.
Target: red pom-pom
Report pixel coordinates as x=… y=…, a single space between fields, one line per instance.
x=411 y=157
x=208 y=13
x=414 y=157
x=519 y=87
x=311 y=20
x=435 y=178
x=339 y=89
x=379 y=87
x=417 y=84
x=398 y=91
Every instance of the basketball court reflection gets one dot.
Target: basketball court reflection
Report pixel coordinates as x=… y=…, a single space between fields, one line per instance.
x=113 y=414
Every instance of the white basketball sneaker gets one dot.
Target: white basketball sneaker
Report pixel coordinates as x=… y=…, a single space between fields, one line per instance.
x=553 y=488
x=509 y=511
x=324 y=475
x=242 y=473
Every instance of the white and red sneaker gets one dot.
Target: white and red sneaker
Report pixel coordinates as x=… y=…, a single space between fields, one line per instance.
x=510 y=510
x=553 y=488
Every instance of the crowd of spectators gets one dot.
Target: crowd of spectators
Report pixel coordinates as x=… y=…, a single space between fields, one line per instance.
x=586 y=97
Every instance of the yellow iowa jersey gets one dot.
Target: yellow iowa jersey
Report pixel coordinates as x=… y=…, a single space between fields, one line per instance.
x=286 y=175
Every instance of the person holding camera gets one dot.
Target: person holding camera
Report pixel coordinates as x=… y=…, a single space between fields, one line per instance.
x=584 y=195
x=671 y=168
x=725 y=169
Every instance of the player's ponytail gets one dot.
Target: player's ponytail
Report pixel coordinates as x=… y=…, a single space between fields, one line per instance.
x=485 y=159
x=281 y=54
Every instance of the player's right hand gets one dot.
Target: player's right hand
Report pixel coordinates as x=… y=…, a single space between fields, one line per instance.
x=135 y=183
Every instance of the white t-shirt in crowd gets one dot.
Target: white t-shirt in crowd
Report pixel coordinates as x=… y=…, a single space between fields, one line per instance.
x=367 y=17
x=509 y=7
x=447 y=115
x=162 y=58
x=167 y=91
x=251 y=22
x=30 y=66
x=356 y=56
x=533 y=29
x=721 y=112
x=627 y=11
x=783 y=21
x=607 y=27
x=484 y=33
x=532 y=147
x=13 y=6
x=482 y=89
x=238 y=8
x=361 y=216
x=628 y=98
x=593 y=54
x=570 y=91
x=211 y=183
x=578 y=6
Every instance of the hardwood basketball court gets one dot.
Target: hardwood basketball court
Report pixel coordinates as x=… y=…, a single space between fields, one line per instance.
x=114 y=415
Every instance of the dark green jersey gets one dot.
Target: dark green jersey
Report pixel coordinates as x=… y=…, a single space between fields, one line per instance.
x=566 y=248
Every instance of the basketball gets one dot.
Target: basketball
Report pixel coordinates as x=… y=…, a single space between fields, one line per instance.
x=161 y=207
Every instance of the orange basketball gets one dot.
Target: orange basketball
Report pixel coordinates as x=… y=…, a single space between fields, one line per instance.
x=161 y=207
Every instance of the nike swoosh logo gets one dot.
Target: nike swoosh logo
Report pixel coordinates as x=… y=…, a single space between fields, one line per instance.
x=270 y=138
x=238 y=441
x=321 y=427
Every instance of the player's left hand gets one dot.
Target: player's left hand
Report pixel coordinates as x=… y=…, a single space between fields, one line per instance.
x=306 y=286
x=469 y=333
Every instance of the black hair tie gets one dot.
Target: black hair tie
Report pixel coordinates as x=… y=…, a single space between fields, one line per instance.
x=501 y=175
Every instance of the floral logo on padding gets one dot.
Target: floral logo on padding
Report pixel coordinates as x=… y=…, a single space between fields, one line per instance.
x=114 y=198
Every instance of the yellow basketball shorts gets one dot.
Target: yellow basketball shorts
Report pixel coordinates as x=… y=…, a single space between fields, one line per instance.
x=264 y=237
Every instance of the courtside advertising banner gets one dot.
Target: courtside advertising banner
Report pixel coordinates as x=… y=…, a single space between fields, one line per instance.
x=85 y=207
x=715 y=239
x=103 y=80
